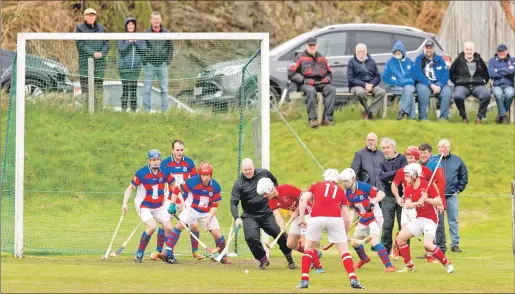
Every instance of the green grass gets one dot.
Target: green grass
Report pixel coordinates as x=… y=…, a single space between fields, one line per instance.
x=77 y=167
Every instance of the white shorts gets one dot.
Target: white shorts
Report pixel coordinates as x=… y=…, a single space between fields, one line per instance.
x=422 y=225
x=160 y=214
x=295 y=228
x=412 y=213
x=190 y=216
x=367 y=230
x=334 y=227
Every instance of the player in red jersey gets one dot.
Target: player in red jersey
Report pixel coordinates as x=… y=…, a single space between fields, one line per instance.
x=287 y=197
x=425 y=199
x=329 y=212
x=363 y=197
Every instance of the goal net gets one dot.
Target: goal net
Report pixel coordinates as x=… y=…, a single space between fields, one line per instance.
x=84 y=110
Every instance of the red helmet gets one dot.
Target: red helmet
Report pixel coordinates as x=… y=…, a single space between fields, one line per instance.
x=205 y=169
x=412 y=151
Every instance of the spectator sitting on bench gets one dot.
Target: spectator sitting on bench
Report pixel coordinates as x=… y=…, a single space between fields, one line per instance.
x=364 y=78
x=470 y=75
x=501 y=69
x=397 y=73
x=431 y=76
x=311 y=72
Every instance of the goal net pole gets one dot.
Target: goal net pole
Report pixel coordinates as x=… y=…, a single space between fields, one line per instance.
x=21 y=48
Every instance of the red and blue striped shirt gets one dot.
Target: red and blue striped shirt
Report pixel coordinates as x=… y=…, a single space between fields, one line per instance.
x=204 y=197
x=151 y=187
x=361 y=199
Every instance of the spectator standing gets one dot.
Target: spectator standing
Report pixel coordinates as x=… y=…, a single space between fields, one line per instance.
x=431 y=76
x=456 y=179
x=96 y=49
x=311 y=72
x=470 y=75
x=129 y=65
x=389 y=206
x=397 y=73
x=501 y=69
x=364 y=78
x=156 y=60
x=366 y=162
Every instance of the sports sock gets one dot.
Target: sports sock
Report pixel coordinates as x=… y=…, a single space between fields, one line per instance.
x=194 y=242
x=360 y=250
x=306 y=264
x=220 y=243
x=161 y=238
x=440 y=256
x=173 y=237
x=143 y=242
x=349 y=265
x=316 y=259
x=381 y=251
x=406 y=255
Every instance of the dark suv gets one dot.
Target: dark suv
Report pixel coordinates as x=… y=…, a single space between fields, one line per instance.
x=336 y=42
x=41 y=74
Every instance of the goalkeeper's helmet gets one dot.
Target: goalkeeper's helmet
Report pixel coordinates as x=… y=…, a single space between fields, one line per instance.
x=414 y=170
x=412 y=151
x=154 y=153
x=264 y=185
x=205 y=168
x=331 y=175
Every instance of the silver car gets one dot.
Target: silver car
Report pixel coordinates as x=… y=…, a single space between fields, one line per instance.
x=220 y=84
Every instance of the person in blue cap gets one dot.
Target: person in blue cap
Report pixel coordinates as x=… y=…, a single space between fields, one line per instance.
x=501 y=69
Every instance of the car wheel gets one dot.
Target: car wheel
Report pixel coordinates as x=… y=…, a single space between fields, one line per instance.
x=252 y=100
x=33 y=89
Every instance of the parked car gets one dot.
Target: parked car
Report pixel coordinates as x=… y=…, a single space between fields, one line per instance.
x=41 y=74
x=336 y=42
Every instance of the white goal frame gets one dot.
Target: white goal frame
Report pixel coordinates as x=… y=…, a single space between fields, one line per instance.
x=263 y=80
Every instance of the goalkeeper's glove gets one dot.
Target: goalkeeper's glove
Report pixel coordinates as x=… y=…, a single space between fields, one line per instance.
x=370 y=206
x=172 y=209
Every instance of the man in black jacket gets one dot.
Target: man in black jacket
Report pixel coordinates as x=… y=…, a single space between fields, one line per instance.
x=469 y=74
x=311 y=72
x=364 y=78
x=156 y=60
x=96 y=49
x=393 y=162
x=366 y=162
x=256 y=213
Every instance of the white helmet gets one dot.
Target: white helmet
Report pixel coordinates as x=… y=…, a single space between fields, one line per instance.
x=331 y=174
x=413 y=169
x=264 y=185
x=347 y=174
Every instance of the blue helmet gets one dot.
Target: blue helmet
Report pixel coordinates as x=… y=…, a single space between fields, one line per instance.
x=154 y=153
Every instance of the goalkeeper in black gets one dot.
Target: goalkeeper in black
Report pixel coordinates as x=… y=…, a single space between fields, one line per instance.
x=256 y=213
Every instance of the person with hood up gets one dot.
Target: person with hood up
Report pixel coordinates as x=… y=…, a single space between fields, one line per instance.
x=470 y=75
x=501 y=69
x=397 y=73
x=129 y=65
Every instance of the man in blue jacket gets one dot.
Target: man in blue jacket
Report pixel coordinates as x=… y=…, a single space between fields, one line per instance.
x=501 y=69
x=456 y=179
x=431 y=76
x=397 y=73
x=364 y=78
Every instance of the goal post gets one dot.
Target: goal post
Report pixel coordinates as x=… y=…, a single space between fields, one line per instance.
x=20 y=90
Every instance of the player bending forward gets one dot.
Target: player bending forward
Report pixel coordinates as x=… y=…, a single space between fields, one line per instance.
x=425 y=199
x=363 y=197
x=150 y=182
x=206 y=196
x=287 y=197
x=329 y=206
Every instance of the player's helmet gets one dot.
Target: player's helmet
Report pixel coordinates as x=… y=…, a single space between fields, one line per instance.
x=264 y=185
x=413 y=169
x=347 y=174
x=154 y=153
x=331 y=174
x=205 y=168
x=412 y=151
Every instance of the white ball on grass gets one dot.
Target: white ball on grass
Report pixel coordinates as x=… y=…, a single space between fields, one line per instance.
x=246 y=271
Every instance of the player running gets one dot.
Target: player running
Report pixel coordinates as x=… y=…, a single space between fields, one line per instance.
x=182 y=168
x=424 y=199
x=150 y=183
x=287 y=197
x=363 y=197
x=329 y=212
x=412 y=154
x=205 y=192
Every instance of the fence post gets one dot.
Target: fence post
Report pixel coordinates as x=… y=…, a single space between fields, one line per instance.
x=513 y=214
x=91 y=86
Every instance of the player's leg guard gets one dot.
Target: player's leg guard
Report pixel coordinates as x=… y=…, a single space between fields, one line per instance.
x=381 y=251
x=143 y=242
x=161 y=238
x=173 y=237
x=349 y=266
